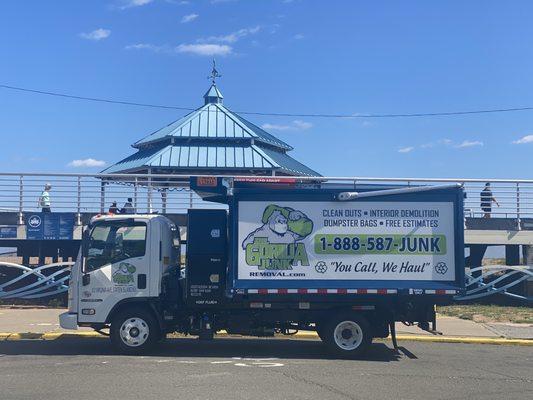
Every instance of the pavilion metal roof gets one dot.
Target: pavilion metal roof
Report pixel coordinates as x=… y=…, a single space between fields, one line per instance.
x=212 y=157
x=212 y=138
x=212 y=120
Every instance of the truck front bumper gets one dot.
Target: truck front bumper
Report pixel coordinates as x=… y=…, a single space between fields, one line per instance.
x=68 y=320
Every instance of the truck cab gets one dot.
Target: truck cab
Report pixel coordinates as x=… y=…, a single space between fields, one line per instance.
x=121 y=262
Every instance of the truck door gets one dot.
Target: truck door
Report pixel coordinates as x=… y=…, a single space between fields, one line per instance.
x=115 y=267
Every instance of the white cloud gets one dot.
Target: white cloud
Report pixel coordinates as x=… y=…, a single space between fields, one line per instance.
x=145 y=46
x=443 y=143
x=298 y=36
x=296 y=125
x=406 y=149
x=524 y=140
x=134 y=3
x=233 y=36
x=275 y=127
x=97 y=34
x=205 y=49
x=469 y=143
x=302 y=124
x=189 y=18
x=88 y=162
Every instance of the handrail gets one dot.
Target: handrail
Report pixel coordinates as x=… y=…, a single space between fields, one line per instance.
x=169 y=193
x=312 y=178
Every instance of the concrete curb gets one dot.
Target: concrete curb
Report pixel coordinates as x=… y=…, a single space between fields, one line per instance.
x=12 y=336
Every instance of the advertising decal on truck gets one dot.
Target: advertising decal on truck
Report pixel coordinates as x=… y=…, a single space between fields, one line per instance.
x=332 y=241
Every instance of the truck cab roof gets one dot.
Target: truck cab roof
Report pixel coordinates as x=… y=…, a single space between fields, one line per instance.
x=119 y=217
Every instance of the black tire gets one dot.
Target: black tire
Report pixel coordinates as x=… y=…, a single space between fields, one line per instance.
x=347 y=335
x=134 y=331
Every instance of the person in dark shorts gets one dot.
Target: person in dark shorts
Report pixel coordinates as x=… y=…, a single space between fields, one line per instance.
x=486 y=200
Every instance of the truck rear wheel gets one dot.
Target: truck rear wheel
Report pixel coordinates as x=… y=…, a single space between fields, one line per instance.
x=134 y=331
x=347 y=335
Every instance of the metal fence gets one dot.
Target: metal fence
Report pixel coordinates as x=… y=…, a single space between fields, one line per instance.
x=94 y=193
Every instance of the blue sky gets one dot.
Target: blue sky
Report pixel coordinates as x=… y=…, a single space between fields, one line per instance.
x=339 y=57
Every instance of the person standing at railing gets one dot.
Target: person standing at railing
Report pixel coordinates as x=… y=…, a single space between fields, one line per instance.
x=44 y=199
x=487 y=198
x=113 y=209
x=128 y=207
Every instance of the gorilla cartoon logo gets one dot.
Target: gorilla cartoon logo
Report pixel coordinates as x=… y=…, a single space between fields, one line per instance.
x=281 y=225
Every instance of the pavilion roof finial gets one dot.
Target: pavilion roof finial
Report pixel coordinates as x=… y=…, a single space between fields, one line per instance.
x=214 y=73
x=213 y=95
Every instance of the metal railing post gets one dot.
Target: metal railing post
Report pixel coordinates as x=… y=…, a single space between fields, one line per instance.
x=190 y=198
x=149 y=191
x=78 y=217
x=102 y=197
x=518 y=206
x=21 y=200
x=135 y=194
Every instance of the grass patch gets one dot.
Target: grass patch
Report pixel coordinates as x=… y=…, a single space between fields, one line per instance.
x=489 y=313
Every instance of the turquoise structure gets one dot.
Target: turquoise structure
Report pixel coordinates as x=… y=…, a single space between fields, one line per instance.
x=212 y=140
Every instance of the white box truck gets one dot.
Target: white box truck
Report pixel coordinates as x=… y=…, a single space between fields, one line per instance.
x=346 y=261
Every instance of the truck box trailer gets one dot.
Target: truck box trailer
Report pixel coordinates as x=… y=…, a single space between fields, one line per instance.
x=276 y=255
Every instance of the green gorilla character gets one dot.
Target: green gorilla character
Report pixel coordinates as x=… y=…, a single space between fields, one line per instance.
x=281 y=225
x=124 y=274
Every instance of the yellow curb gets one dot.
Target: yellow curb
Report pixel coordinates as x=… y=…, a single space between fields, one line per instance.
x=300 y=335
x=24 y=336
x=442 y=339
x=45 y=336
x=51 y=335
x=469 y=340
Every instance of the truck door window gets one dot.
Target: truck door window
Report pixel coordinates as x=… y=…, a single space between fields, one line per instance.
x=176 y=245
x=113 y=242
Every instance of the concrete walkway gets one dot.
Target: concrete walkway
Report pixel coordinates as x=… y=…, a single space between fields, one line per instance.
x=41 y=320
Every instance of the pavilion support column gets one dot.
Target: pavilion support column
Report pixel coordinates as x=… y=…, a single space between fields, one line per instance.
x=164 y=200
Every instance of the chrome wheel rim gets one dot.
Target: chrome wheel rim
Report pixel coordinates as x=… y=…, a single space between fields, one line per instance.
x=348 y=335
x=134 y=332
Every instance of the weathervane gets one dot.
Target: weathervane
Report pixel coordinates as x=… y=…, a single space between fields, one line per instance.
x=214 y=73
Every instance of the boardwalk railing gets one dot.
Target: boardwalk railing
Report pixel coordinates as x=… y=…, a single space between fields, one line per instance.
x=94 y=193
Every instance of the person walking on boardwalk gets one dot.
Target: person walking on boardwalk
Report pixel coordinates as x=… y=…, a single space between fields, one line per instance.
x=487 y=199
x=44 y=199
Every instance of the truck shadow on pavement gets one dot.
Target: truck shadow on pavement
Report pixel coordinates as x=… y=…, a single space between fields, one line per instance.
x=194 y=348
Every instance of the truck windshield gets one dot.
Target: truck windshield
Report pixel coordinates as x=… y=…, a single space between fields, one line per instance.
x=111 y=242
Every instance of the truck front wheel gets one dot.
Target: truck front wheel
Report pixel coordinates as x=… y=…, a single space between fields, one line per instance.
x=347 y=335
x=134 y=331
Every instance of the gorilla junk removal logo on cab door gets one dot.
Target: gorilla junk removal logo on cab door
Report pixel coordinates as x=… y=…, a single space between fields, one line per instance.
x=277 y=244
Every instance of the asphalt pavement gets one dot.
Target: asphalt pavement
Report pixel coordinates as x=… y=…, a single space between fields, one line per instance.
x=229 y=368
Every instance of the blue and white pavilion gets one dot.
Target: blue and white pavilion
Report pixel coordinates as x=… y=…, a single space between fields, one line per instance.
x=211 y=140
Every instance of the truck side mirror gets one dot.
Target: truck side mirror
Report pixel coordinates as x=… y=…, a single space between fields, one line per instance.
x=85 y=242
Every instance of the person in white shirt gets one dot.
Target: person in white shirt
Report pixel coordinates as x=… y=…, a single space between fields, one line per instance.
x=44 y=199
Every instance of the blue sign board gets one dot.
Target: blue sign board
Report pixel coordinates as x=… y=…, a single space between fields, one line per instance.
x=8 y=232
x=49 y=226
